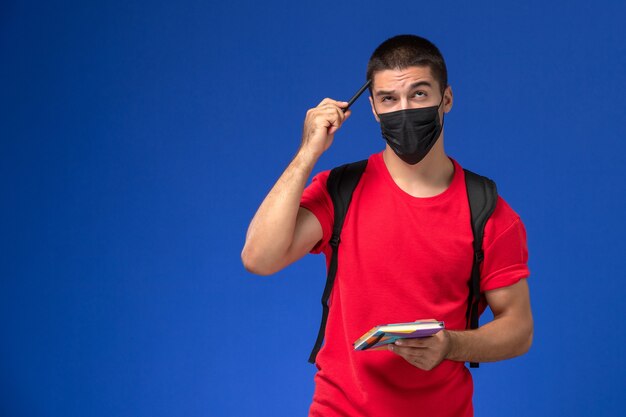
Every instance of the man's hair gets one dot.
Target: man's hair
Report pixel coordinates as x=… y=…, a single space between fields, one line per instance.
x=403 y=51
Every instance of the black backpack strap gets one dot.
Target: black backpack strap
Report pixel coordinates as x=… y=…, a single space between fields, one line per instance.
x=482 y=195
x=341 y=184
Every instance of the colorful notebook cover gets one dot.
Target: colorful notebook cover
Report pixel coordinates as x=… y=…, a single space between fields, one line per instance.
x=380 y=336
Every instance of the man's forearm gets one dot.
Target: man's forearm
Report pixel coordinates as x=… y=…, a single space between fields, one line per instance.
x=271 y=230
x=502 y=338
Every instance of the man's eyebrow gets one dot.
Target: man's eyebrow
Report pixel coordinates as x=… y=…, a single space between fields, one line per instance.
x=412 y=86
x=420 y=83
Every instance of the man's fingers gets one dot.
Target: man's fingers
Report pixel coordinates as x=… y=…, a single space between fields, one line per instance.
x=416 y=357
x=421 y=342
x=423 y=353
x=331 y=108
x=324 y=101
x=407 y=351
x=331 y=116
x=328 y=100
x=321 y=123
x=335 y=118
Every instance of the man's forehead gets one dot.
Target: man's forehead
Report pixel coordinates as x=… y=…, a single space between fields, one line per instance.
x=402 y=77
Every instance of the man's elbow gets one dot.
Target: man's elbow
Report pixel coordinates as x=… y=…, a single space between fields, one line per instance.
x=527 y=342
x=254 y=263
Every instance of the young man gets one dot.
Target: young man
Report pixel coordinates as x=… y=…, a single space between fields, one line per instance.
x=406 y=250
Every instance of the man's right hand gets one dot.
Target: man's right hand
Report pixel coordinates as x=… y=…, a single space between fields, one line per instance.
x=320 y=125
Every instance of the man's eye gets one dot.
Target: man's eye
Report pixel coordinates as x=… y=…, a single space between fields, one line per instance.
x=420 y=92
x=385 y=98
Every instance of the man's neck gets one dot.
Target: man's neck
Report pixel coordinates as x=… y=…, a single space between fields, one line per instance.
x=429 y=177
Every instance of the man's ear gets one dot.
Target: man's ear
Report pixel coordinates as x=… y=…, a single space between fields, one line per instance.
x=448 y=88
x=374 y=111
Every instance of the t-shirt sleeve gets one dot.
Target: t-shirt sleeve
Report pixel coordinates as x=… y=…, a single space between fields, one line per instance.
x=505 y=249
x=316 y=199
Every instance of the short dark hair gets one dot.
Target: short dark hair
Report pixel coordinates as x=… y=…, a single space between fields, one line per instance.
x=403 y=51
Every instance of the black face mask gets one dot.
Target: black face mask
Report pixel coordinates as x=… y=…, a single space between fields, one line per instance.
x=411 y=133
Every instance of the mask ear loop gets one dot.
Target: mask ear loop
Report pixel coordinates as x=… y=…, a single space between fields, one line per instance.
x=374 y=103
x=443 y=118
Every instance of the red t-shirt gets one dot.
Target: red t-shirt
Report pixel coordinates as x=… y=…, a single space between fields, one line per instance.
x=401 y=259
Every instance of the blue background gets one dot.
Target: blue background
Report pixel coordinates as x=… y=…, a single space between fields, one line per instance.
x=139 y=137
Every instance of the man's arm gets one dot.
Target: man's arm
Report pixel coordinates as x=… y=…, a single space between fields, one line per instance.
x=281 y=231
x=509 y=334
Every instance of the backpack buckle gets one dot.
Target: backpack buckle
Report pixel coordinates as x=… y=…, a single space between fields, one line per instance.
x=479 y=255
x=334 y=241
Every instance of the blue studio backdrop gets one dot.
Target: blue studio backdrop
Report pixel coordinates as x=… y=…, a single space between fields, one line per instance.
x=138 y=138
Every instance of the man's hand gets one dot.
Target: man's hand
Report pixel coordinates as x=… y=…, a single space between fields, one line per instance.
x=320 y=125
x=508 y=335
x=424 y=352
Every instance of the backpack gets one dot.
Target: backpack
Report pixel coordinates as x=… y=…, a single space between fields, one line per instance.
x=482 y=195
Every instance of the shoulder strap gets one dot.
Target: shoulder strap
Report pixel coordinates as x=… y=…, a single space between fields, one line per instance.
x=341 y=184
x=482 y=195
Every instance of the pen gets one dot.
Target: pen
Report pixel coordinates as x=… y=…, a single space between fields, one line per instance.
x=358 y=93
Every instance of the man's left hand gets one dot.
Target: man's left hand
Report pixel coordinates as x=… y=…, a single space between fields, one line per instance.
x=425 y=352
